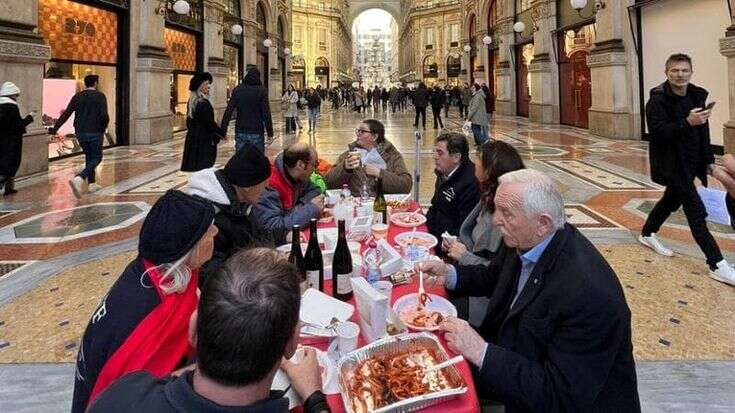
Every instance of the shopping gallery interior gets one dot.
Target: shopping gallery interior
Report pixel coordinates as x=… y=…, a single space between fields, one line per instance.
x=565 y=83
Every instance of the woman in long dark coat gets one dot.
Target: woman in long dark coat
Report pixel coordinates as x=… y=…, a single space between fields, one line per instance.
x=203 y=134
x=12 y=129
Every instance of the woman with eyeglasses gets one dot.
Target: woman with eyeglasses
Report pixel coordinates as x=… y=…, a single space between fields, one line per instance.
x=378 y=159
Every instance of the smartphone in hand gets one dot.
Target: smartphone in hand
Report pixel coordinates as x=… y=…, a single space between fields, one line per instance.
x=710 y=106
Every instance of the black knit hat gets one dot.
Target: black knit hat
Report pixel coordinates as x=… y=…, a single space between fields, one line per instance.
x=198 y=79
x=247 y=167
x=173 y=226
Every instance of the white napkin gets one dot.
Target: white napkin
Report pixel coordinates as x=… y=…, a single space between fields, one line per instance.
x=372 y=158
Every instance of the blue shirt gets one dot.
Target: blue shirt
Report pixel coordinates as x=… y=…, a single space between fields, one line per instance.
x=528 y=262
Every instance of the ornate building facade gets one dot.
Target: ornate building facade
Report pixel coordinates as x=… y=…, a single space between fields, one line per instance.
x=430 y=42
x=321 y=43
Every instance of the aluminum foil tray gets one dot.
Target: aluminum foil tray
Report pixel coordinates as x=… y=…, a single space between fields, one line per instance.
x=393 y=346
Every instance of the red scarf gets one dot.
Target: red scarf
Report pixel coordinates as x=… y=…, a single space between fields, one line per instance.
x=284 y=188
x=159 y=343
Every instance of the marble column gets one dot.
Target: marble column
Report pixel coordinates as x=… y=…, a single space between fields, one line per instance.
x=150 y=98
x=612 y=61
x=214 y=55
x=505 y=101
x=23 y=54
x=727 y=48
x=544 y=105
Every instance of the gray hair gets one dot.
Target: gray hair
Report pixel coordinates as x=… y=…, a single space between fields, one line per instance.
x=539 y=194
x=176 y=275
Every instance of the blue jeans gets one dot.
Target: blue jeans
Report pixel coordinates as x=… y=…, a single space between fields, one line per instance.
x=91 y=144
x=479 y=133
x=313 y=113
x=255 y=139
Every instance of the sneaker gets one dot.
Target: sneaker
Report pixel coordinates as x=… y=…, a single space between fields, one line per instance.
x=653 y=243
x=93 y=188
x=76 y=186
x=724 y=273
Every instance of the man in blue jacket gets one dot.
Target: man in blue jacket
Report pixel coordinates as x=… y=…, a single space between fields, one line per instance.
x=291 y=198
x=556 y=336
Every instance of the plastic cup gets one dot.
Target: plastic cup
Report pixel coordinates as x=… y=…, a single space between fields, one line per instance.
x=347 y=333
x=379 y=231
x=384 y=287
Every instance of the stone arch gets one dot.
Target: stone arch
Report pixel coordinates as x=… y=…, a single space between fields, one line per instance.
x=486 y=8
x=282 y=28
x=357 y=7
x=262 y=6
x=321 y=61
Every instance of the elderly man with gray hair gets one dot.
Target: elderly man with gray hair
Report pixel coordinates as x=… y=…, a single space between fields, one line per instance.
x=556 y=336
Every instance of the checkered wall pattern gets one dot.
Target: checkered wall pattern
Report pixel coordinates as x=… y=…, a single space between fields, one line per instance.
x=182 y=48
x=78 y=32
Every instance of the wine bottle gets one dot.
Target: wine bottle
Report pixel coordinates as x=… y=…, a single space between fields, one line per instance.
x=380 y=207
x=313 y=262
x=342 y=266
x=296 y=257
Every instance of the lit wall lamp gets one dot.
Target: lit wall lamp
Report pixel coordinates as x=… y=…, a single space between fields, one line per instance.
x=487 y=40
x=236 y=29
x=519 y=27
x=467 y=48
x=287 y=51
x=180 y=7
x=267 y=43
x=579 y=5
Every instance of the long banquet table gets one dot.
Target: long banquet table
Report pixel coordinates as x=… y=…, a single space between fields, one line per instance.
x=466 y=402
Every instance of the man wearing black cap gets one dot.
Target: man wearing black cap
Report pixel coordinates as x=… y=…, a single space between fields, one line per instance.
x=233 y=190
x=250 y=102
x=90 y=122
x=142 y=323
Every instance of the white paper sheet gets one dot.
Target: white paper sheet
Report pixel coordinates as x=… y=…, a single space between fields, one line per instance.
x=714 y=203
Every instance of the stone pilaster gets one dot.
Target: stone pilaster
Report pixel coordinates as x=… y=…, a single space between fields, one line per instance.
x=505 y=99
x=542 y=107
x=727 y=48
x=23 y=54
x=213 y=49
x=150 y=98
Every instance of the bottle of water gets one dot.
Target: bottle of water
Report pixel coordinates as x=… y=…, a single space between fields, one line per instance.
x=346 y=192
x=364 y=194
x=372 y=260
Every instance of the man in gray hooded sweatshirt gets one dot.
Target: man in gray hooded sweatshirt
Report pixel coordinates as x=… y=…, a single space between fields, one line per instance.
x=253 y=115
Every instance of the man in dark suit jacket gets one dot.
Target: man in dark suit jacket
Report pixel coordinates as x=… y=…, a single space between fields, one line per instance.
x=556 y=336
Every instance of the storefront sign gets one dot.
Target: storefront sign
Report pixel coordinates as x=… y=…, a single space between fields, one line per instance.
x=78 y=32
x=182 y=48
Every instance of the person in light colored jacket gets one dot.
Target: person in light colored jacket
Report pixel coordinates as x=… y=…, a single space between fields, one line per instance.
x=477 y=115
x=290 y=98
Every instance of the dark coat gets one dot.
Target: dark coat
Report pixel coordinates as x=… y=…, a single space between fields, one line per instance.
x=202 y=137
x=668 y=128
x=565 y=346
x=421 y=97
x=489 y=99
x=12 y=129
x=90 y=112
x=453 y=200
x=437 y=98
x=250 y=102
x=123 y=308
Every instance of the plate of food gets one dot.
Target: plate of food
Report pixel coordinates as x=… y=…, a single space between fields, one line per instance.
x=425 y=314
x=418 y=238
x=326 y=216
x=408 y=219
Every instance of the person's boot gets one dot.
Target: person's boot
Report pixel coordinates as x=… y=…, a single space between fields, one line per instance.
x=10 y=186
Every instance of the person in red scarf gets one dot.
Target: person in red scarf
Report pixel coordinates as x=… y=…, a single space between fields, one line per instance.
x=142 y=323
x=291 y=198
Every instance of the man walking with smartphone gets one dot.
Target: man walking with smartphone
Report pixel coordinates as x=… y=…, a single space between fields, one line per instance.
x=680 y=151
x=90 y=122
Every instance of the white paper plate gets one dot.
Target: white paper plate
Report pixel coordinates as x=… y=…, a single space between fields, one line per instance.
x=397 y=219
x=329 y=370
x=319 y=308
x=437 y=303
x=402 y=239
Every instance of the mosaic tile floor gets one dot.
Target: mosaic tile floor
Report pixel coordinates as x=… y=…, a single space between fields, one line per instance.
x=679 y=313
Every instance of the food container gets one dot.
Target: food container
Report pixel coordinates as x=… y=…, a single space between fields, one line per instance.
x=347 y=365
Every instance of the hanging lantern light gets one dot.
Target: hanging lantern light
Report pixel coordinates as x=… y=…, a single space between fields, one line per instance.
x=467 y=48
x=487 y=40
x=236 y=29
x=578 y=4
x=519 y=27
x=267 y=43
x=182 y=7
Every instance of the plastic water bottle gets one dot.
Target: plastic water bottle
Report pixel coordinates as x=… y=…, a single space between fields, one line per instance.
x=372 y=263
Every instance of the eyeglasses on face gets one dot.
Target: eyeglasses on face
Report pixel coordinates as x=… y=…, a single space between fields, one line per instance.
x=359 y=131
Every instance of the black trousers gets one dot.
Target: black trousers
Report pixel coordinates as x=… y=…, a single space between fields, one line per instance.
x=437 y=112
x=685 y=196
x=422 y=112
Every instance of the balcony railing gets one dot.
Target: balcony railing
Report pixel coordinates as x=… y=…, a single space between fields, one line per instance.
x=438 y=4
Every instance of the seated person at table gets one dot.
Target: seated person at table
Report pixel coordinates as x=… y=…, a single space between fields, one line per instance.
x=291 y=198
x=233 y=190
x=143 y=321
x=479 y=240
x=382 y=160
x=557 y=336
x=456 y=190
x=245 y=329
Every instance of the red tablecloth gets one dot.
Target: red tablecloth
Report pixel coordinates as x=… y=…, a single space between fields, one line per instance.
x=467 y=402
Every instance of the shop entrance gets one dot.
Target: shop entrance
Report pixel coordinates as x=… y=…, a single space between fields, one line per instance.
x=575 y=87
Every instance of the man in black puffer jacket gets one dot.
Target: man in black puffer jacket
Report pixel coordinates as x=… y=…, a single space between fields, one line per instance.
x=457 y=190
x=420 y=101
x=250 y=101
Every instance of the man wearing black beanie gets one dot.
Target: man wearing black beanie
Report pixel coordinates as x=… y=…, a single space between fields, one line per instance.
x=233 y=190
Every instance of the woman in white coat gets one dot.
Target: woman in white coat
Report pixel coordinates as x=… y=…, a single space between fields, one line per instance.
x=288 y=102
